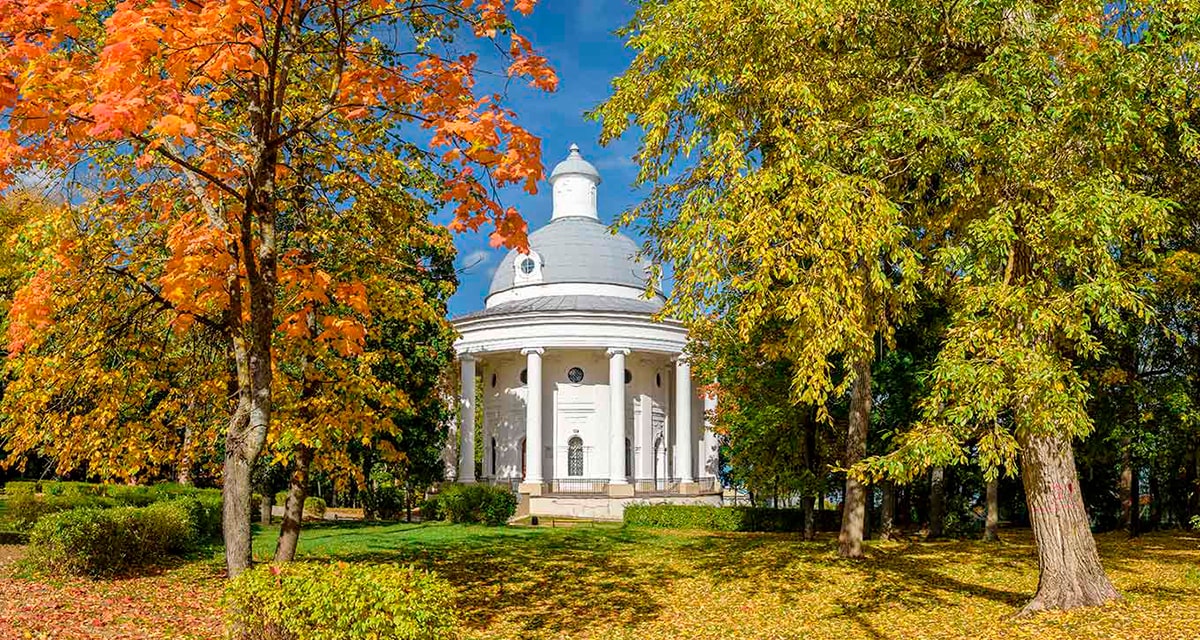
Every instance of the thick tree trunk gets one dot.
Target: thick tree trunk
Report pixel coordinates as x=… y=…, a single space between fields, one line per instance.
x=991 y=529
x=937 y=501
x=293 y=510
x=1070 y=574
x=855 y=503
x=264 y=509
x=887 y=511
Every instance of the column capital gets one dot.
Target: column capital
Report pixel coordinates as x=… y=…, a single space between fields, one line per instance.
x=617 y=351
x=681 y=358
x=466 y=356
x=528 y=350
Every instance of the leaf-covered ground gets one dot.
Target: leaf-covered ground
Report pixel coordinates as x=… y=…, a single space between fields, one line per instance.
x=608 y=582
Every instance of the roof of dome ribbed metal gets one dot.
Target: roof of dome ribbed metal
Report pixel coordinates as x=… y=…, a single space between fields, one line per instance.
x=575 y=164
x=568 y=303
x=578 y=249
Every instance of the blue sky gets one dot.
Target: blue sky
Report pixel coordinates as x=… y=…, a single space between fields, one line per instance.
x=577 y=37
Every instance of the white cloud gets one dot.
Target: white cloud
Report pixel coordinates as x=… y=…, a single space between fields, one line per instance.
x=476 y=260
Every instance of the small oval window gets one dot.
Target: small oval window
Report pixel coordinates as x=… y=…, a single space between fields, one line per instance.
x=575 y=375
x=658 y=380
x=628 y=376
x=493 y=381
x=524 y=376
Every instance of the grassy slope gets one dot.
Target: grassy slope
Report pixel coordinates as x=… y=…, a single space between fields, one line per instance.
x=608 y=582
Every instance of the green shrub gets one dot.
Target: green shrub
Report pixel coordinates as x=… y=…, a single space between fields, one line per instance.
x=484 y=503
x=712 y=518
x=105 y=542
x=131 y=495
x=24 y=510
x=21 y=487
x=314 y=507
x=65 y=488
x=387 y=502
x=431 y=509
x=308 y=601
x=14 y=537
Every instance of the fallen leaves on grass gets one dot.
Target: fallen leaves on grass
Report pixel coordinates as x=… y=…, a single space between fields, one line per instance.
x=179 y=602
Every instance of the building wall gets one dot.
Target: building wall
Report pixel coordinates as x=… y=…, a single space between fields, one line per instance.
x=577 y=410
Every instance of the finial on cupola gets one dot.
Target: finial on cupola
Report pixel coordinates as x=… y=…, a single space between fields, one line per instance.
x=574 y=181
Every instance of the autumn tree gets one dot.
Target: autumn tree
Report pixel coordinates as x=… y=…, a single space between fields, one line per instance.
x=1032 y=166
x=197 y=118
x=1012 y=153
x=766 y=195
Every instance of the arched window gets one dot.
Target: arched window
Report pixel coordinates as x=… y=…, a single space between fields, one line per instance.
x=575 y=457
x=493 y=455
x=628 y=458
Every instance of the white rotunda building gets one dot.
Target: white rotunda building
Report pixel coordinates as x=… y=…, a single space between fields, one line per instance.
x=588 y=402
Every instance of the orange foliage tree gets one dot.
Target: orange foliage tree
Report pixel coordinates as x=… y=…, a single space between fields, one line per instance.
x=194 y=118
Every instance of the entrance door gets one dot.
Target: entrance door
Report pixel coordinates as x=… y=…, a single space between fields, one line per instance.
x=522 y=458
x=660 y=464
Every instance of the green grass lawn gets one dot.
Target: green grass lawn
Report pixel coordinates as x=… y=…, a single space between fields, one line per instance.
x=610 y=582
x=606 y=581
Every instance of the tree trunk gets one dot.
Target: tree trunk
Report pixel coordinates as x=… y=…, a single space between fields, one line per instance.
x=293 y=510
x=854 y=506
x=183 y=472
x=1156 y=501
x=937 y=501
x=991 y=530
x=810 y=519
x=1128 y=492
x=1070 y=574
x=887 y=511
x=264 y=509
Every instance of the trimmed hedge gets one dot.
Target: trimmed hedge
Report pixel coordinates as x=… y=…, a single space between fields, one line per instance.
x=309 y=601
x=711 y=518
x=475 y=503
x=21 y=487
x=431 y=509
x=314 y=508
x=105 y=542
x=24 y=510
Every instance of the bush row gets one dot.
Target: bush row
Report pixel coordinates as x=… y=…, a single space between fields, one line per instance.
x=314 y=507
x=105 y=542
x=340 y=601
x=24 y=509
x=123 y=494
x=711 y=518
x=474 y=503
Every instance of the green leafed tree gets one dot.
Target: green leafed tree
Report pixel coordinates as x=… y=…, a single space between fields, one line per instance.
x=809 y=160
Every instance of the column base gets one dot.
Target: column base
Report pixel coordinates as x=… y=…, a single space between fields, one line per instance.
x=689 y=488
x=531 y=488
x=623 y=490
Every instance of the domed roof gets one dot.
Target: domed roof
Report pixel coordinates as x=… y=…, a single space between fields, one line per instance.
x=576 y=165
x=581 y=250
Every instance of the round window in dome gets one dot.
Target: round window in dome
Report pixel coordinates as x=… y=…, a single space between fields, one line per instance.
x=528 y=265
x=575 y=375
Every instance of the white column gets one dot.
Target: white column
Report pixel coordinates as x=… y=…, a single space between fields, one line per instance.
x=683 y=421
x=466 y=415
x=616 y=412
x=709 y=455
x=533 y=415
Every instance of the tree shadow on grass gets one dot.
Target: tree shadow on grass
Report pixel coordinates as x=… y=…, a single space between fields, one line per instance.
x=559 y=582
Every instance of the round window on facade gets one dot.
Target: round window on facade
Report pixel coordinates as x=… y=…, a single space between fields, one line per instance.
x=575 y=375
x=528 y=265
x=628 y=376
x=658 y=380
x=524 y=376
